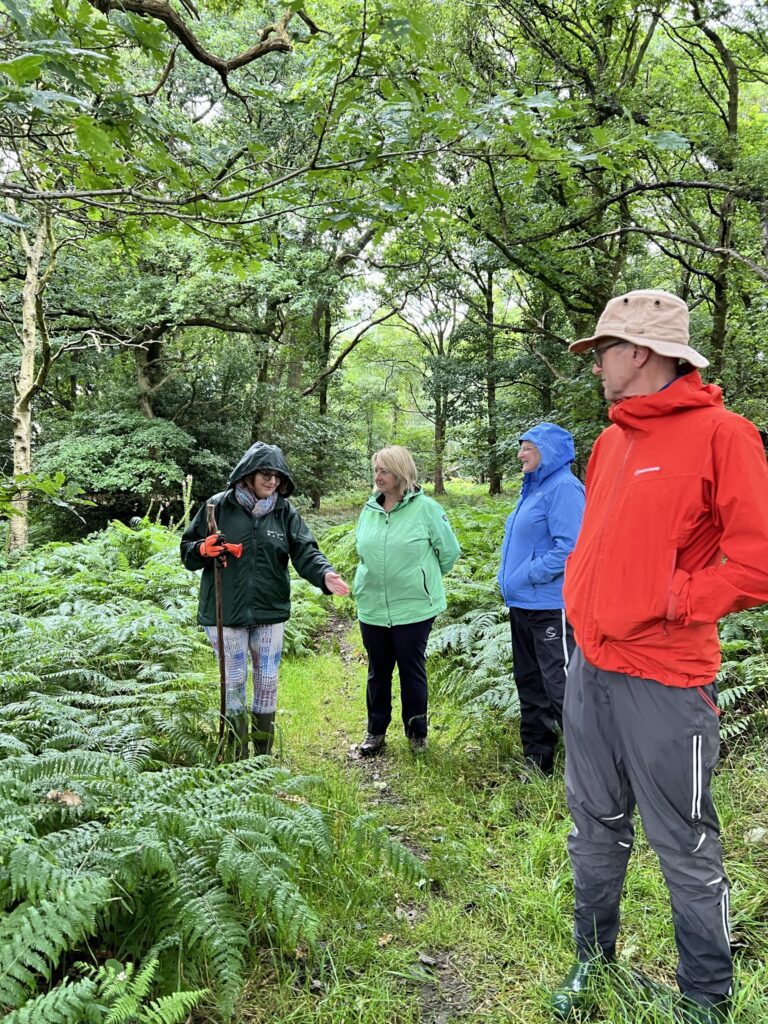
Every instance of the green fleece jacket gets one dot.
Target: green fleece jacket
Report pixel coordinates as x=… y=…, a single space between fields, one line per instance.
x=403 y=554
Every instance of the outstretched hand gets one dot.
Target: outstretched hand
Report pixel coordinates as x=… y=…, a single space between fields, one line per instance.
x=336 y=584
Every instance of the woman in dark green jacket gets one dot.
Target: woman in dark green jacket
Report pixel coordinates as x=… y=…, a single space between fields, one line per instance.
x=406 y=545
x=256 y=588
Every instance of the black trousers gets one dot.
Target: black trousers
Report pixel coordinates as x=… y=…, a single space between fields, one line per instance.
x=542 y=645
x=406 y=647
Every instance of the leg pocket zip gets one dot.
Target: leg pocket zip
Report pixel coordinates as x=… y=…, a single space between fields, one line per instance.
x=696 y=784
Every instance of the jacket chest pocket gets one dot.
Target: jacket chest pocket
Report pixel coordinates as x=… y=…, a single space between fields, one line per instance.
x=272 y=536
x=638 y=554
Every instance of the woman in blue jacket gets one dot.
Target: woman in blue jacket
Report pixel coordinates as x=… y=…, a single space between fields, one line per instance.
x=540 y=534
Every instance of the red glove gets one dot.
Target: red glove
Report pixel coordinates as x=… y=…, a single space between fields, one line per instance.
x=212 y=546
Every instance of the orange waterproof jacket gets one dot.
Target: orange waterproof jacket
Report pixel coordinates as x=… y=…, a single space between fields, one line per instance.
x=674 y=536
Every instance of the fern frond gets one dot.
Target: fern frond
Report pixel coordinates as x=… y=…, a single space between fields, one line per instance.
x=386 y=850
x=211 y=926
x=173 y=1009
x=12 y=744
x=32 y=938
x=68 y=1003
x=32 y=875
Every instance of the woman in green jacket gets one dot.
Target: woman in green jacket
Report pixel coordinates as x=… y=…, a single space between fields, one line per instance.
x=256 y=588
x=405 y=546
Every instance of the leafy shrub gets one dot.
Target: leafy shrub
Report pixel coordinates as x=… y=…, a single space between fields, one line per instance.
x=120 y=838
x=743 y=678
x=110 y=994
x=338 y=545
x=470 y=650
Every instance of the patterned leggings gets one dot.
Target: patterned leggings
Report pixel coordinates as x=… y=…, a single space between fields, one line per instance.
x=265 y=644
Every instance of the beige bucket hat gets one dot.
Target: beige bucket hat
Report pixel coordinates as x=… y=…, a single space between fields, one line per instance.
x=656 y=320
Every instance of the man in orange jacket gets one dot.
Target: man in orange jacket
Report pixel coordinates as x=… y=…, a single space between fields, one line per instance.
x=674 y=536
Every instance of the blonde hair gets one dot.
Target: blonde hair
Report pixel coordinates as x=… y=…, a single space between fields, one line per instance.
x=398 y=460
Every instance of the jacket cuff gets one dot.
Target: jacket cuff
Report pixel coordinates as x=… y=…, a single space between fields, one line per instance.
x=677 y=604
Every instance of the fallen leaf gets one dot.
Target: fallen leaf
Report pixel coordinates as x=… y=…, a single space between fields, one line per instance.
x=429 y=961
x=756 y=835
x=385 y=939
x=64 y=796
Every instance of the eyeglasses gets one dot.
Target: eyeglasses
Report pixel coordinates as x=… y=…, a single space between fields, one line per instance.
x=266 y=475
x=597 y=353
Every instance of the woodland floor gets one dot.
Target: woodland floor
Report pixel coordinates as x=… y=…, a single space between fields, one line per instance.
x=489 y=932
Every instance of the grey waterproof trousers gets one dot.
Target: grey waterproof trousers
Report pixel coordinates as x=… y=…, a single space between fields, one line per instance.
x=635 y=741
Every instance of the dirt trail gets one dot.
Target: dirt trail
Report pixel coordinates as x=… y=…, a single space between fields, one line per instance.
x=438 y=986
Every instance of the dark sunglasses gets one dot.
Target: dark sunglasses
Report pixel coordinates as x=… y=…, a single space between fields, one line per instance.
x=267 y=474
x=597 y=353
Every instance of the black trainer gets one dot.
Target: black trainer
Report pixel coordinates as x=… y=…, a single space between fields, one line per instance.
x=372 y=744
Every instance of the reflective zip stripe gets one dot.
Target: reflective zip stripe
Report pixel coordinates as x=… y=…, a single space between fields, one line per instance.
x=565 y=645
x=726 y=908
x=696 y=791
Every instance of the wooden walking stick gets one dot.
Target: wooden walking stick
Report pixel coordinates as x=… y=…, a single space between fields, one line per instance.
x=212 y=528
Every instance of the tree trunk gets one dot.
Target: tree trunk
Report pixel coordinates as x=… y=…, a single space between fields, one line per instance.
x=144 y=382
x=494 y=476
x=26 y=385
x=721 y=299
x=325 y=355
x=728 y=72
x=440 y=427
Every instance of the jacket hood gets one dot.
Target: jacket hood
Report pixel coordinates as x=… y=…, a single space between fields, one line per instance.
x=683 y=394
x=557 y=450
x=262 y=456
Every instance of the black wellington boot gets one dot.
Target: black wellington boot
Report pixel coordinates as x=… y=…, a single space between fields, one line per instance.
x=576 y=990
x=702 y=1009
x=262 y=731
x=236 y=734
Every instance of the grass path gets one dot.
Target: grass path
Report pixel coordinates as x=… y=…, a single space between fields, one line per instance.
x=485 y=936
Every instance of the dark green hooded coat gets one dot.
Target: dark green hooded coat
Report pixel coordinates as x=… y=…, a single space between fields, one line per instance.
x=256 y=588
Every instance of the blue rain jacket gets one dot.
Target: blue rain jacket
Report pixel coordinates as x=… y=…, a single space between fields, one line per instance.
x=542 y=530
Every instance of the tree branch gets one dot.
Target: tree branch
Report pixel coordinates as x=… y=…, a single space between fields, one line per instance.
x=714 y=250
x=333 y=367
x=273 y=38
x=150 y=94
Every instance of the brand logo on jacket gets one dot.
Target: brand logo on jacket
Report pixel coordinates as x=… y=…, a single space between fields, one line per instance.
x=648 y=469
x=275 y=535
x=550 y=633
